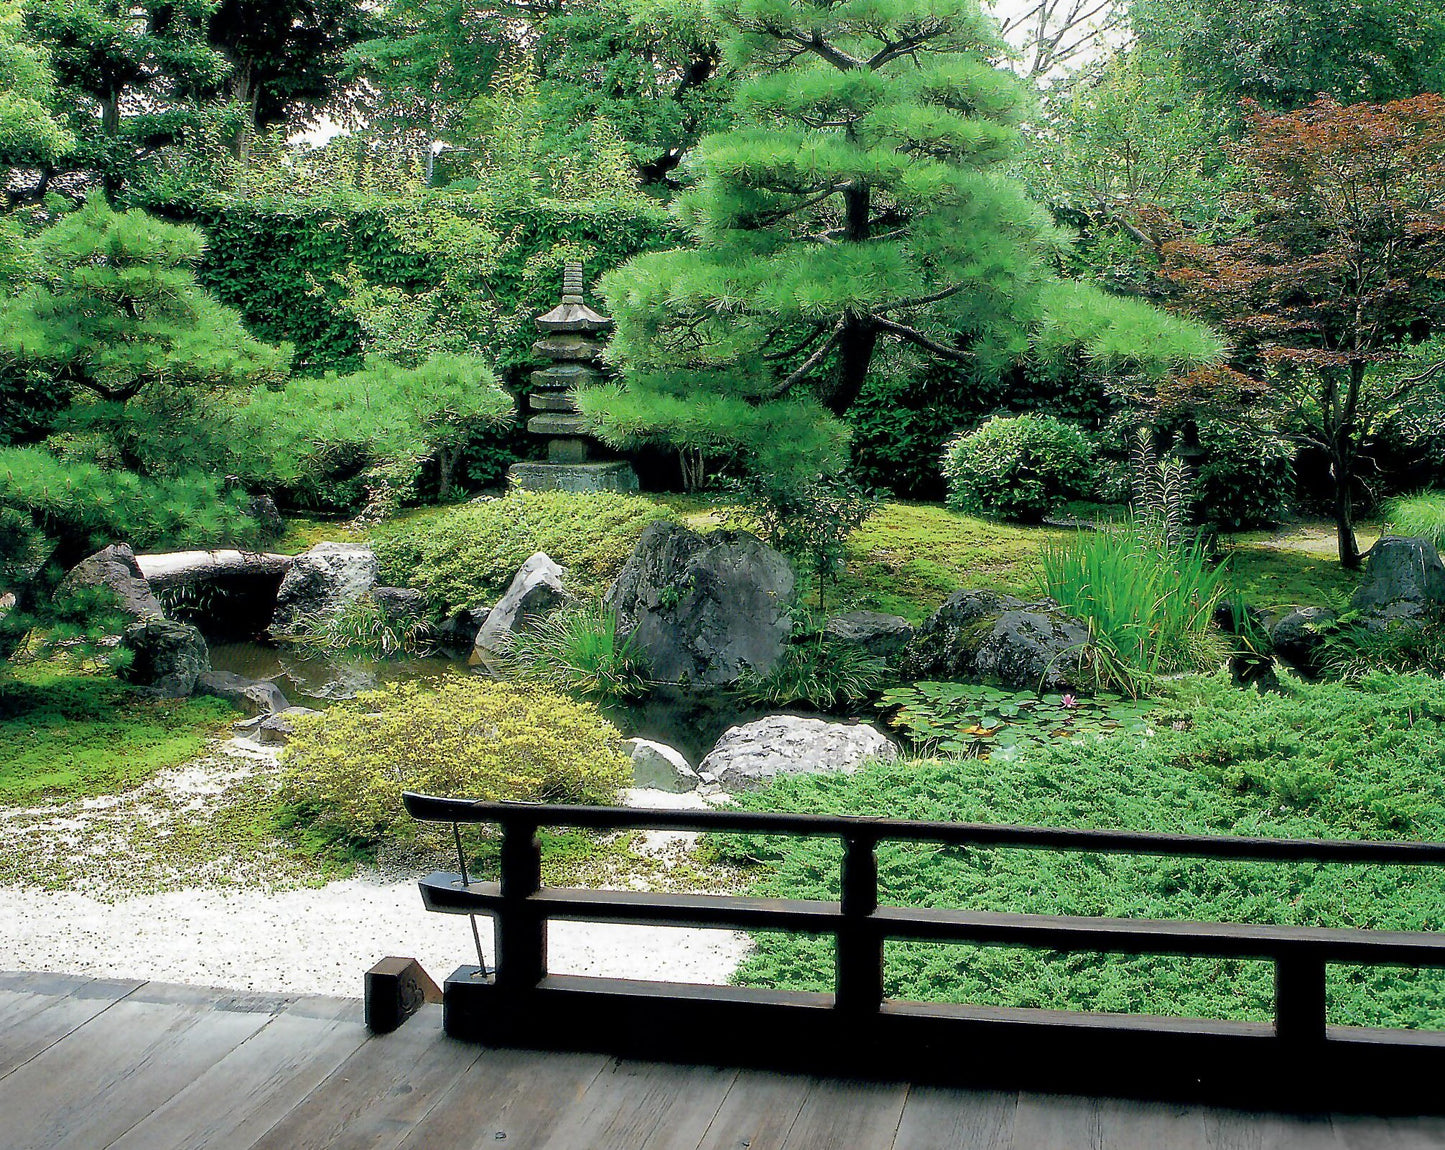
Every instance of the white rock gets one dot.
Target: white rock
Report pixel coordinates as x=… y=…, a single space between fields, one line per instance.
x=660 y=767
x=755 y=753
x=535 y=589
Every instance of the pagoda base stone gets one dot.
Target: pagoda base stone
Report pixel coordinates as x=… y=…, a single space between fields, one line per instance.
x=578 y=478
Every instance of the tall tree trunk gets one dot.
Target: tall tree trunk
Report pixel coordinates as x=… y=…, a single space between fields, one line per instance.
x=1343 y=448
x=859 y=337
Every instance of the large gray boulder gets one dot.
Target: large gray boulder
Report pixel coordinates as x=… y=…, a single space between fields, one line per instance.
x=1404 y=579
x=875 y=634
x=754 y=754
x=1298 y=638
x=166 y=657
x=322 y=581
x=702 y=609
x=114 y=569
x=403 y=606
x=536 y=589
x=984 y=635
x=254 y=696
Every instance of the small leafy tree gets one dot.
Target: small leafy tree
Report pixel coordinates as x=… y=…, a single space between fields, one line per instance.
x=1339 y=273
x=860 y=203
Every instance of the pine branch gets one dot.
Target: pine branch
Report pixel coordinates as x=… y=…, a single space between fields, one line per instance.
x=914 y=336
x=806 y=367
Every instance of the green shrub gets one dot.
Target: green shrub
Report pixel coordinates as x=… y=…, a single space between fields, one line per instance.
x=1352 y=649
x=1149 y=609
x=817 y=673
x=1421 y=515
x=466 y=557
x=1245 y=478
x=577 y=648
x=1018 y=467
x=467 y=737
x=1320 y=761
x=362 y=626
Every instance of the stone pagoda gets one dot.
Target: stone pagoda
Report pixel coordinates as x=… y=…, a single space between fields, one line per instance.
x=572 y=339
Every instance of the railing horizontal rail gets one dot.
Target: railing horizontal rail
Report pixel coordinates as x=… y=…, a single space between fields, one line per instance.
x=432 y=809
x=446 y=893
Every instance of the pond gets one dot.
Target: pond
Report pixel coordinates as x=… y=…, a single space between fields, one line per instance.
x=690 y=721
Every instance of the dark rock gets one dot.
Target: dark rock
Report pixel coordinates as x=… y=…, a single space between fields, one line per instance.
x=1404 y=579
x=265 y=512
x=402 y=605
x=254 y=696
x=882 y=636
x=702 y=609
x=754 y=754
x=276 y=730
x=536 y=589
x=322 y=581
x=115 y=569
x=1297 y=638
x=459 y=631
x=167 y=658
x=982 y=634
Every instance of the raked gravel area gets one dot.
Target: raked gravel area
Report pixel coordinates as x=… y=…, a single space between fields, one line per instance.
x=284 y=937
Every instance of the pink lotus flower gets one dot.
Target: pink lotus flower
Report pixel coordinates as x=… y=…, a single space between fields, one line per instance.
x=1069 y=701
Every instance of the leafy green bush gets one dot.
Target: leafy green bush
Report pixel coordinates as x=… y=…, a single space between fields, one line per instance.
x=466 y=557
x=1421 y=515
x=1245 y=479
x=1352 y=649
x=816 y=673
x=1320 y=761
x=1149 y=609
x=578 y=648
x=1018 y=467
x=467 y=737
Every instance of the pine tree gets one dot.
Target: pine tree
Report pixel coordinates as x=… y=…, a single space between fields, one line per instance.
x=860 y=201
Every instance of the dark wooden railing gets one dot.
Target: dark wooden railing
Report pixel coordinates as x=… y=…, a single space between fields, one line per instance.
x=522 y=1004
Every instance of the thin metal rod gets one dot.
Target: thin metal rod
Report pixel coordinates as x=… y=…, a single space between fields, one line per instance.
x=462 y=866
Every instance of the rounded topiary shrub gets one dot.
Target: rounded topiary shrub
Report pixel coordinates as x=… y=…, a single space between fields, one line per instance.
x=1018 y=467
x=473 y=738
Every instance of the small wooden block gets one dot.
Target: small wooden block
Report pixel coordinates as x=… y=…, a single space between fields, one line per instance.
x=396 y=988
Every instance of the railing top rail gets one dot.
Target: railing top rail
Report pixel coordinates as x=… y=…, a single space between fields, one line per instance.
x=430 y=808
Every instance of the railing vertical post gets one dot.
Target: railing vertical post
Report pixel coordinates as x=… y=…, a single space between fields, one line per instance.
x=521 y=930
x=1299 y=997
x=859 y=988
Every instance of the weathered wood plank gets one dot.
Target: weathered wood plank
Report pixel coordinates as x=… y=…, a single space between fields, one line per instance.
x=372 y=1100
x=938 y=1119
x=758 y=1112
x=1368 y=1132
x=511 y=1097
x=643 y=1106
x=838 y=1112
x=240 y=1097
x=105 y=1076
x=1248 y=1130
x=26 y=1033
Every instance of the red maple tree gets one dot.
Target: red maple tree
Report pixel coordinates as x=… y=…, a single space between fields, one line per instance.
x=1338 y=271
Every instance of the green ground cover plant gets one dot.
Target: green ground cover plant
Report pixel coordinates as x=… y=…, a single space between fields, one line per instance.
x=1318 y=761
x=816 y=673
x=67 y=734
x=466 y=556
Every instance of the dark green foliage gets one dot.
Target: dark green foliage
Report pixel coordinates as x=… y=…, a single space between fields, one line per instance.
x=963 y=719
x=815 y=672
x=1321 y=761
x=325 y=443
x=1245 y=478
x=1354 y=647
x=269 y=258
x=467 y=556
x=1020 y=467
x=809 y=520
x=577 y=649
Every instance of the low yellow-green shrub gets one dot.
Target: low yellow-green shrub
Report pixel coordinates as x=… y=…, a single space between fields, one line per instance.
x=466 y=738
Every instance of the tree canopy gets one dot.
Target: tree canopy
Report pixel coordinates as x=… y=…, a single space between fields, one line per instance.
x=860 y=201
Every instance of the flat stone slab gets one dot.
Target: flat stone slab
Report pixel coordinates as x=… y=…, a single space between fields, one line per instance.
x=578 y=478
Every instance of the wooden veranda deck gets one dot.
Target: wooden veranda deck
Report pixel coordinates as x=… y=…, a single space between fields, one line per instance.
x=98 y=1063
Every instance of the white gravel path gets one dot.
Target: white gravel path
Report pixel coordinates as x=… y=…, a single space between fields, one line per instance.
x=286 y=940
x=318 y=941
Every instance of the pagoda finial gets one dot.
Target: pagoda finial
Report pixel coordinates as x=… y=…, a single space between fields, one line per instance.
x=572 y=281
